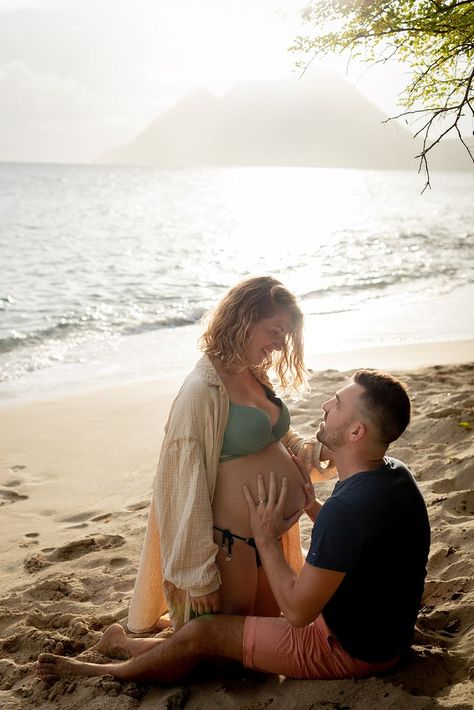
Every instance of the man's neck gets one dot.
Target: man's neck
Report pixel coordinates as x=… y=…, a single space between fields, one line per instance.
x=349 y=465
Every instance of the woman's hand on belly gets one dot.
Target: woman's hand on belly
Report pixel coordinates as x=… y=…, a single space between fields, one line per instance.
x=307 y=483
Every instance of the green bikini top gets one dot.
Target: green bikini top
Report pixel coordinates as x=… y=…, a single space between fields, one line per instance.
x=249 y=429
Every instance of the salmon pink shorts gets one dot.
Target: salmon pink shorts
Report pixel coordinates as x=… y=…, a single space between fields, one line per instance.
x=272 y=645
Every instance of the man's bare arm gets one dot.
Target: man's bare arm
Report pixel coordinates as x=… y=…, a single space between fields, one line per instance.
x=300 y=598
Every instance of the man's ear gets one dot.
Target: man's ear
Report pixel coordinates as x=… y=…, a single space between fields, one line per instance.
x=358 y=430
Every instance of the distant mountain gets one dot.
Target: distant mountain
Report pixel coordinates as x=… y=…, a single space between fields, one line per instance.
x=306 y=122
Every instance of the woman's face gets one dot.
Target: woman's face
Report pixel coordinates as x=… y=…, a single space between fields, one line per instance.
x=268 y=335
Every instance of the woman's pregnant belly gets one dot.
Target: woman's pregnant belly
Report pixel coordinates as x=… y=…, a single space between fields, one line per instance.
x=229 y=506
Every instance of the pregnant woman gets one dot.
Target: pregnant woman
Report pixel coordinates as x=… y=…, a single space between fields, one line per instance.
x=225 y=426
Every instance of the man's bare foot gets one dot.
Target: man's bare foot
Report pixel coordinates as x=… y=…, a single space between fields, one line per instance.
x=113 y=643
x=50 y=667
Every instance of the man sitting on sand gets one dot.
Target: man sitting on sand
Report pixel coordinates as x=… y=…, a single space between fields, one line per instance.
x=352 y=610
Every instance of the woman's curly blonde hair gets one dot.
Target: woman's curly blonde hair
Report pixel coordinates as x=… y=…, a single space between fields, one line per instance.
x=229 y=326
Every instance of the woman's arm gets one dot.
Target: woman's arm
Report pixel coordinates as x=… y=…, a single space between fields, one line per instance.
x=184 y=511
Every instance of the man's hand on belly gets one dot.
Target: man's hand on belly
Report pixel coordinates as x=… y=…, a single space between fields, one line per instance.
x=267 y=519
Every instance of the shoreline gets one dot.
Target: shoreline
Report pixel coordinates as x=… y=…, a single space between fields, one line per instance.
x=383 y=357
x=381 y=333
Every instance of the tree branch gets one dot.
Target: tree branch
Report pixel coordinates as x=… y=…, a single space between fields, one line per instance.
x=435 y=37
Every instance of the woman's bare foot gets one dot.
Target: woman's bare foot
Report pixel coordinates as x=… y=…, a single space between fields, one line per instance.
x=161 y=625
x=116 y=644
x=50 y=667
x=113 y=643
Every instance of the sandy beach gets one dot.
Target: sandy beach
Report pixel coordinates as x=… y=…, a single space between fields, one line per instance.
x=75 y=481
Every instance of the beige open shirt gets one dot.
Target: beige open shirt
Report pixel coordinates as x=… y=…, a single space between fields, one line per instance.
x=178 y=556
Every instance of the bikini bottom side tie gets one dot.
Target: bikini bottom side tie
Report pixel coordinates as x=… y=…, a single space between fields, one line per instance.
x=228 y=541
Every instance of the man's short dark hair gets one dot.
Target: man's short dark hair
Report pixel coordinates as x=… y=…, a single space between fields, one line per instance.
x=385 y=402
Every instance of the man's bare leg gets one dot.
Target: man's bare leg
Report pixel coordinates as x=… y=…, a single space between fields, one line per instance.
x=167 y=660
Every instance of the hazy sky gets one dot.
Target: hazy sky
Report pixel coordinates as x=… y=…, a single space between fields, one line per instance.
x=80 y=76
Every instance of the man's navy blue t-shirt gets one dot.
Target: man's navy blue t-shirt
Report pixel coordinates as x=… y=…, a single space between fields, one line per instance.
x=375 y=528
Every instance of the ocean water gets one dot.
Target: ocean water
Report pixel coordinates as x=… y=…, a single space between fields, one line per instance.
x=100 y=263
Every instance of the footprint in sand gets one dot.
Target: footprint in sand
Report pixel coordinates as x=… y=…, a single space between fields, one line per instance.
x=10 y=674
x=49 y=590
x=439 y=591
x=440 y=624
x=124 y=585
x=458 y=473
x=460 y=504
x=82 y=520
x=137 y=506
x=105 y=517
x=36 y=562
x=18 y=467
x=78 y=548
x=13 y=483
x=79 y=520
x=118 y=562
x=7 y=497
x=71 y=551
x=448 y=412
x=438 y=561
x=30 y=540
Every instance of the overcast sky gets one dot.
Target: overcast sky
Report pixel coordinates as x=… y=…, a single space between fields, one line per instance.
x=78 y=77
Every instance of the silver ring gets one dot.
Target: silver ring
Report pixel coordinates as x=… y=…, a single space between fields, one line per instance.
x=261 y=501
